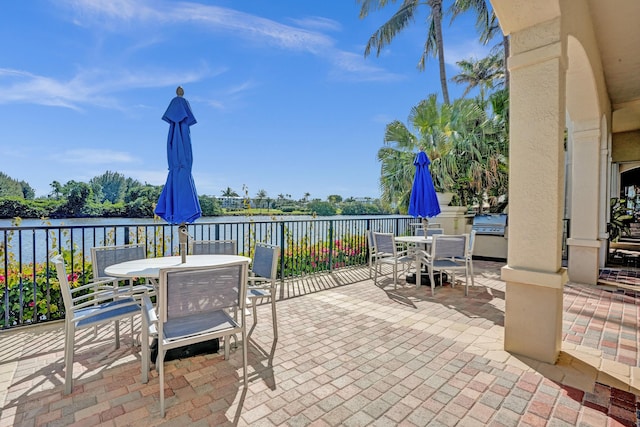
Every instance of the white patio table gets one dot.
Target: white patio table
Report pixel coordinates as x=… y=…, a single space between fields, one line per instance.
x=149 y=268
x=416 y=241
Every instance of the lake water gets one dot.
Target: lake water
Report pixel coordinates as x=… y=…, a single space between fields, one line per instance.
x=33 y=240
x=35 y=222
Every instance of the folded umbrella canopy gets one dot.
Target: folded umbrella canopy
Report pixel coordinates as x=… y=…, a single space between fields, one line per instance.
x=178 y=202
x=423 y=202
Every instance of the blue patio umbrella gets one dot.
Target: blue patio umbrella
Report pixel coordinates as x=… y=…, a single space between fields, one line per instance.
x=423 y=202
x=178 y=202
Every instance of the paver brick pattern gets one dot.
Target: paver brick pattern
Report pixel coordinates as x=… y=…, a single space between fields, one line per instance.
x=349 y=353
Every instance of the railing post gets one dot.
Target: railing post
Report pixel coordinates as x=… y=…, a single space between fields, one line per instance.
x=282 y=251
x=127 y=240
x=330 y=245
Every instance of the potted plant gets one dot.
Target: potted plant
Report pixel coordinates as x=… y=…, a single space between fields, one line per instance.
x=620 y=221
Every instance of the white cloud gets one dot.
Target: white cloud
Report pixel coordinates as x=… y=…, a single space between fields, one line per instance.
x=318 y=23
x=303 y=38
x=87 y=87
x=351 y=66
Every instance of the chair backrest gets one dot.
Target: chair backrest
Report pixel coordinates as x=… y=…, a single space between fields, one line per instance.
x=472 y=241
x=370 y=242
x=193 y=292
x=385 y=243
x=265 y=260
x=449 y=246
x=419 y=232
x=214 y=247
x=105 y=256
x=61 y=272
x=434 y=231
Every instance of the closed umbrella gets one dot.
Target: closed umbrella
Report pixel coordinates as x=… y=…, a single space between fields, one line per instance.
x=178 y=202
x=423 y=202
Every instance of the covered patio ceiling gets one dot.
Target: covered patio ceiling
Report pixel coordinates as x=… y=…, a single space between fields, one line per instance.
x=617 y=33
x=618 y=38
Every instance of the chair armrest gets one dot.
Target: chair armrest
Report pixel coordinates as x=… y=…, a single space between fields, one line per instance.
x=99 y=295
x=149 y=316
x=258 y=282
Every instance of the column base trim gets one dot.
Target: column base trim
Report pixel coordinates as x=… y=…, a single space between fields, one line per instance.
x=536 y=278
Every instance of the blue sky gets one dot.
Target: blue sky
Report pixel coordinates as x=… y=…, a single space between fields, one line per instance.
x=284 y=98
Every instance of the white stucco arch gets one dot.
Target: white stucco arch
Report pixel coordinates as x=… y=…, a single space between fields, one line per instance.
x=581 y=93
x=584 y=134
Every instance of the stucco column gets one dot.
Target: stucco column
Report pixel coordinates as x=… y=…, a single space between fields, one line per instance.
x=584 y=244
x=534 y=275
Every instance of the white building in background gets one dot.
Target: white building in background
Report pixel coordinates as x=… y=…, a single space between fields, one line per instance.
x=231 y=202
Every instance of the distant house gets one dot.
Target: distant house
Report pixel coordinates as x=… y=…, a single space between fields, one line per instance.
x=231 y=202
x=364 y=200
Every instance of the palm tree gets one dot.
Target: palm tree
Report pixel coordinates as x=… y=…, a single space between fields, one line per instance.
x=260 y=196
x=467 y=151
x=434 y=45
x=229 y=193
x=484 y=74
x=486 y=24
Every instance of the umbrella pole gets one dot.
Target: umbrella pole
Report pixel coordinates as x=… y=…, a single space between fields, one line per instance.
x=183 y=239
x=425 y=224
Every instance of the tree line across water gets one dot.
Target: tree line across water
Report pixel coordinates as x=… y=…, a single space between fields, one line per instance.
x=112 y=195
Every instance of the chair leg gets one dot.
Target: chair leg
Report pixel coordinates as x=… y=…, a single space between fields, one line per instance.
x=273 y=314
x=145 y=351
x=68 y=358
x=117 y=325
x=160 y=360
x=375 y=275
x=244 y=355
x=254 y=311
x=395 y=275
x=466 y=282
x=471 y=271
x=432 y=281
x=227 y=344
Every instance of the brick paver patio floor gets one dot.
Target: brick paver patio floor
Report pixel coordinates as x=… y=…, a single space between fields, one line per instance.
x=349 y=353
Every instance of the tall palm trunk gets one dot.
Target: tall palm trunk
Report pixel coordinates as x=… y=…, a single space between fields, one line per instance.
x=436 y=10
x=505 y=44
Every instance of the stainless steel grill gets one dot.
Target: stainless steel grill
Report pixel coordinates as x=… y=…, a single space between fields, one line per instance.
x=490 y=224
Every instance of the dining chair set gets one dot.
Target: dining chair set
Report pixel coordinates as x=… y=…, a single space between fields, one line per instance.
x=184 y=307
x=439 y=253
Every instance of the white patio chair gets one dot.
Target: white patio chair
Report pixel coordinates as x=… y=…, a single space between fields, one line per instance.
x=387 y=252
x=448 y=254
x=212 y=247
x=469 y=254
x=434 y=231
x=372 y=251
x=86 y=306
x=193 y=306
x=105 y=256
x=262 y=281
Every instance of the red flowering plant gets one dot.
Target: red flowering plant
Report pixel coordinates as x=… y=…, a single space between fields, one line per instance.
x=31 y=293
x=304 y=255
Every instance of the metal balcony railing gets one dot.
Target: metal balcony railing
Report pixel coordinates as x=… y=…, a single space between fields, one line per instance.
x=29 y=291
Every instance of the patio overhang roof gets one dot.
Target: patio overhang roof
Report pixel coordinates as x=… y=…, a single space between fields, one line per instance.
x=616 y=29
